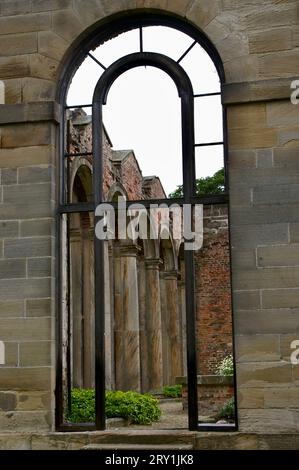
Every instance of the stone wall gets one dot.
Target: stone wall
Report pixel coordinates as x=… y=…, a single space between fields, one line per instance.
x=259 y=46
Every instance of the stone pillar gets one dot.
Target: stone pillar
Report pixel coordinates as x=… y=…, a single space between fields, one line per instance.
x=127 y=344
x=172 y=348
x=182 y=306
x=142 y=289
x=153 y=325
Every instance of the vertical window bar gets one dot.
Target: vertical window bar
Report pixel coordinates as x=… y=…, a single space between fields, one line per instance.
x=141 y=39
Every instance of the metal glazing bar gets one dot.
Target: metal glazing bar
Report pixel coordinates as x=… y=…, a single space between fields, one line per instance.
x=80 y=154
x=78 y=106
x=186 y=52
x=204 y=95
x=96 y=60
x=72 y=208
x=141 y=39
x=208 y=144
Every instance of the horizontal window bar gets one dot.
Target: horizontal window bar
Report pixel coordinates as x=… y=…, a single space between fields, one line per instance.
x=97 y=61
x=82 y=154
x=78 y=106
x=69 y=427
x=203 y=95
x=213 y=427
x=72 y=208
x=208 y=144
x=89 y=206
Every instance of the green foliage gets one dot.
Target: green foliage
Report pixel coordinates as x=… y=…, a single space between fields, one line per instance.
x=135 y=407
x=205 y=186
x=226 y=366
x=172 y=391
x=228 y=410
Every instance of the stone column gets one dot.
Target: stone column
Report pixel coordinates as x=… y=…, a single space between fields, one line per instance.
x=153 y=325
x=182 y=306
x=142 y=290
x=127 y=344
x=172 y=349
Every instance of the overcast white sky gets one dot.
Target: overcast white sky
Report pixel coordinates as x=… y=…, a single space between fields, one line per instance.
x=143 y=107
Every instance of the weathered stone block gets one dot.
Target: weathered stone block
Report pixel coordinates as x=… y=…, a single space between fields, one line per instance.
x=53 y=442
x=203 y=12
x=43 y=67
x=282 y=398
x=289 y=137
x=8 y=401
x=278 y=39
x=15 y=7
x=251 y=398
x=265 y=158
x=270 y=278
x=248 y=138
x=14 y=194
x=45 y=5
x=276 y=213
x=15 y=441
x=16 y=44
x=276 y=194
x=89 y=15
x=243 y=259
x=250 y=116
x=282 y=113
x=38 y=308
x=225 y=441
x=11 y=309
x=12 y=67
x=280 y=298
x=241 y=69
x=267 y=17
x=37 y=89
x=257 y=348
x=34 y=174
x=275 y=65
x=38 y=227
x=250 y=236
x=66 y=24
x=281 y=255
x=25 y=24
x=242 y=159
x=265 y=421
x=27 y=247
x=15 y=289
x=285 y=158
x=27 y=378
x=272 y=321
x=13 y=91
x=14 y=268
x=244 y=300
x=39 y=267
x=26 y=135
x=33 y=401
x=19 y=157
x=9 y=229
x=26 y=211
x=25 y=329
x=24 y=421
x=9 y=176
x=294 y=233
x=35 y=354
x=267 y=374
x=51 y=45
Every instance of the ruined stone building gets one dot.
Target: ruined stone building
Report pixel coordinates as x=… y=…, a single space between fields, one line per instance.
x=145 y=316
x=79 y=311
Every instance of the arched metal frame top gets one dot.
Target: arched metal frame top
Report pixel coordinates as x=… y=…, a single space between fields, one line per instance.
x=185 y=91
x=112 y=26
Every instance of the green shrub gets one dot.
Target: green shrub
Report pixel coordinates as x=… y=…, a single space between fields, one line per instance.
x=226 y=366
x=228 y=410
x=172 y=391
x=135 y=407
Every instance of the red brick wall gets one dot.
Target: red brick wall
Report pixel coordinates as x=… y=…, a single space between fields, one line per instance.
x=213 y=294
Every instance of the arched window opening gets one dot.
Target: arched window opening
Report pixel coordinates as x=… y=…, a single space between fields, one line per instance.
x=145 y=253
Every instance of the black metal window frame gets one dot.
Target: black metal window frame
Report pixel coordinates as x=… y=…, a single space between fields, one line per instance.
x=179 y=76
